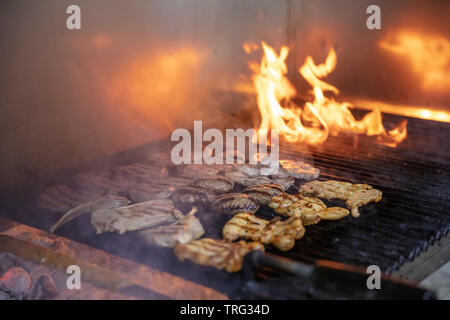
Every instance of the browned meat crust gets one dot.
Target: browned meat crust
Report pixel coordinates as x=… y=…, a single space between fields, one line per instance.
x=233 y=203
x=220 y=254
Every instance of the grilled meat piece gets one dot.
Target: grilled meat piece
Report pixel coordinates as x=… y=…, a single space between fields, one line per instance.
x=362 y=198
x=356 y=195
x=60 y=198
x=102 y=185
x=135 y=217
x=220 y=254
x=233 y=203
x=107 y=202
x=281 y=203
x=263 y=193
x=332 y=189
x=307 y=208
x=247 y=181
x=333 y=213
x=282 y=234
x=286 y=182
x=192 y=171
x=300 y=169
x=139 y=172
x=191 y=195
x=219 y=184
x=182 y=231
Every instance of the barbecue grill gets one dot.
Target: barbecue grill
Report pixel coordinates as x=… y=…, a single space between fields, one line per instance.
x=405 y=234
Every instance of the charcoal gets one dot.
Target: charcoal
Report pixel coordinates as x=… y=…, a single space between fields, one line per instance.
x=44 y=288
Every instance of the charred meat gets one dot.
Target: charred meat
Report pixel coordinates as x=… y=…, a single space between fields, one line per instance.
x=135 y=217
x=282 y=234
x=193 y=195
x=362 y=198
x=220 y=254
x=100 y=184
x=233 y=203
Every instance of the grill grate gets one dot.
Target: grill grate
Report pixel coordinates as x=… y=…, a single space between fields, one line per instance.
x=412 y=215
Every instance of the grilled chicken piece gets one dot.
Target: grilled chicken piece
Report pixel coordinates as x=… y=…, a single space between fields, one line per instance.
x=182 y=231
x=333 y=213
x=281 y=203
x=135 y=217
x=60 y=198
x=356 y=195
x=233 y=203
x=307 y=208
x=107 y=202
x=263 y=193
x=362 y=198
x=300 y=169
x=220 y=254
x=282 y=234
x=191 y=195
x=192 y=171
x=219 y=184
x=102 y=185
x=160 y=188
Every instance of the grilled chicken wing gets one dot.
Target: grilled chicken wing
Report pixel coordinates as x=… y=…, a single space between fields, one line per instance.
x=220 y=254
x=282 y=234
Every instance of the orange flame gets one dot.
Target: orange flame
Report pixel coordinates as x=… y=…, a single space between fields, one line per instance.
x=428 y=55
x=317 y=119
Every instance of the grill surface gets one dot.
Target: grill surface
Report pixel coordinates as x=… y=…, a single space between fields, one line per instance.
x=412 y=215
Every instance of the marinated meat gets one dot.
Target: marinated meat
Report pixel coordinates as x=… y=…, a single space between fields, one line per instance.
x=220 y=254
x=263 y=193
x=356 y=195
x=281 y=203
x=102 y=185
x=182 y=231
x=193 y=195
x=282 y=234
x=300 y=169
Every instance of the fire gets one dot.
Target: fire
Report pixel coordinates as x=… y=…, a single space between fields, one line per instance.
x=428 y=55
x=317 y=119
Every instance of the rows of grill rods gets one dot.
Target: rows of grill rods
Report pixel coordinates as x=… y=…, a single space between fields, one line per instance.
x=145 y=197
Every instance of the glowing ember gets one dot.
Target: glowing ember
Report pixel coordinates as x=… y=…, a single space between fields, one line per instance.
x=317 y=119
x=428 y=55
